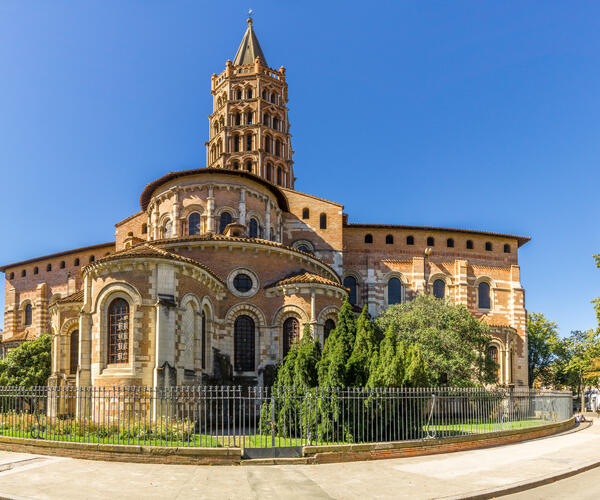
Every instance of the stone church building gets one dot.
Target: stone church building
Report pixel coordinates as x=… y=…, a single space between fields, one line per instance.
x=223 y=266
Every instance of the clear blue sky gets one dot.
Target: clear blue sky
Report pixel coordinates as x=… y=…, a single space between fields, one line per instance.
x=482 y=115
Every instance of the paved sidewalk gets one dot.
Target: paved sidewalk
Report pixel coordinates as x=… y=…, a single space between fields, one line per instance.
x=456 y=474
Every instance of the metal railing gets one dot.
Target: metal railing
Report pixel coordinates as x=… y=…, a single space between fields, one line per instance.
x=262 y=417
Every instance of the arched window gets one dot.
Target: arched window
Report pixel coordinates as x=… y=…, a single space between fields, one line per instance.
x=264 y=95
x=279 y=176
x=144 y=228
x=23 y=273
x=273 y=97
x=268 y=143
x=266 y=119
x=439 y=289
x=492 y=353
x=168 y=229
x=368 y=238
x=49 y=268
x=238 y=119
x=249 y=94
x=290 y=334
x=249 y=142
x=11 y=276
x=253 y=228
x=238 y=94
x=395 y=291
x=278 y=147
x=430 y=241
x=77 y=261
x=329 y=325
x=243 y=344
x=269 y=172
x=92 y=259
x=410 y=240
x=28 y=315
x=249 y=165
x=389 y=239
x=36 y=270
x=450 y=243
x=305 y=213
x=469 y=245
x=224 y=221
x=237 y=139
x=276 y=123
x=203 y=340
x=118 y=331
x=194 y=224
x=506 y=248
x=488 y=246
x=74 y=352
x=62 y=264
x=323 y=221
x=484 y=295
x=350 y=284
x=304 y=248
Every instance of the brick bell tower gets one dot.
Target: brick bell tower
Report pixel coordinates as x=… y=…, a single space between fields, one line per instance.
x=249 y=126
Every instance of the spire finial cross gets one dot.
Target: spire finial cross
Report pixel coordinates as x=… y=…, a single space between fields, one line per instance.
x=250 y=12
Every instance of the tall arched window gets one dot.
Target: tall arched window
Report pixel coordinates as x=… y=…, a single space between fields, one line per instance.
x=484 y=295
x=253 y=229
x=74 y=352
x=249 y=117
x=167 y=229
x=368 y=238
x=278 y=147
x=238 y=119
x=118 y=331
x=269 y=172
x=488 y=246
x=492 y=353
x=276 y=123
x=469 y=245
x=249 y=165
x=506 y=248
x=305 y=213
x=279 y=176
x=430 y=241
x=28 y=315
x=323 y=221
x=410 y=240
x=243 y=344
x=203 y=325
x=249 y=94
x=395 y=291
x=224 y=221
x=327 y=328
x=268 y=143
x=266 y=119
x=350 y=283
x=439 y=289
x=450 y=243
x=249 y=142
x=290 y=334
x=194 y=223
x=237 y=140
x=389 y=239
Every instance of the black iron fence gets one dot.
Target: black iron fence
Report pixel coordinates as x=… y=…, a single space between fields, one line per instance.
x=262 y=417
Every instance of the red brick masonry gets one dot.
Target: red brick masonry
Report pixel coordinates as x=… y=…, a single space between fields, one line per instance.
x=312 y=454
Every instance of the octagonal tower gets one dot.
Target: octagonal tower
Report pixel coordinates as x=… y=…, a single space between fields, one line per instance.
x=249 y=126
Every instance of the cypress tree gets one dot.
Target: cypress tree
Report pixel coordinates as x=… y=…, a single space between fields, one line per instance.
x=358 y=366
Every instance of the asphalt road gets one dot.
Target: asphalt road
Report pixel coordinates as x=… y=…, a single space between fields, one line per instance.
x=582 y=486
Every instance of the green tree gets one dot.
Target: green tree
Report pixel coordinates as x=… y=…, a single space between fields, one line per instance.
x=582 y=350
x=338 y=349
x=27 y=365
x=451 y=342
x=543 y=342
x=358 y=365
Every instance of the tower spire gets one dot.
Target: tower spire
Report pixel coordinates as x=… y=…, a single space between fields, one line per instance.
x=249 y=48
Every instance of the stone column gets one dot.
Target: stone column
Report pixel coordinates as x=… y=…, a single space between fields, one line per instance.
x=268 y=220
x=210 y=210
x=155 y=220
x=175 y=211
x=242 y=207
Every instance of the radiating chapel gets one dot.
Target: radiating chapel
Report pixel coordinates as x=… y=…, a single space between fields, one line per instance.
x=218 y=273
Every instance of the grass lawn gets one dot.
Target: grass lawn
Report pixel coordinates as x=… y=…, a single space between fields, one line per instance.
x=478 y=427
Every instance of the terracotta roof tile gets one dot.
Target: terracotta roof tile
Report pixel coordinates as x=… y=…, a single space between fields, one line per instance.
x=148 y=250
x=71 y=299
x=305 y=277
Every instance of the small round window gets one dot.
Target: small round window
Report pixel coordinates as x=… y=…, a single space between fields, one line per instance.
x=242 y=283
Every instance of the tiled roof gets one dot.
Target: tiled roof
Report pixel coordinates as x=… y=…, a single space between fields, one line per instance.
x=150 y=188
x=521 y=240
x=148 y=250
x=240 y=239
x=20 y=337
x=305 y=277
x=494 y=321
x=72 y=299
x=55 y=255
x=249 y=48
